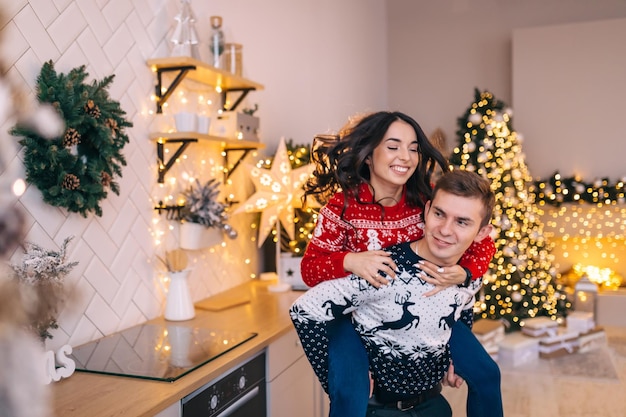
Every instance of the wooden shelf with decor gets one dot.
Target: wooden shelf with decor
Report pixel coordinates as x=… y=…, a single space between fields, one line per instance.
x=184 y=139
x=224 y=82
x=199 y=71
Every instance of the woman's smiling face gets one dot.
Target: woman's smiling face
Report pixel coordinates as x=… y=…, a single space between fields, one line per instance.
x=395 y=159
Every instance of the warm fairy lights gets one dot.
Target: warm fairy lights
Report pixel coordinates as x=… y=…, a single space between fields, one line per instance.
x=606 y=278
x=558 y=190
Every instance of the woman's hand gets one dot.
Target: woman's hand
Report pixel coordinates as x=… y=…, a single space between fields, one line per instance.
x=374 y=266
x=441 y=277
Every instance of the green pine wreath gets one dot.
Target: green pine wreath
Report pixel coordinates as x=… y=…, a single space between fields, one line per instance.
x=76 y=170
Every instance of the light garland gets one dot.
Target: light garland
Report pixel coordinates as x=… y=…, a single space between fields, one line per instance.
x=558 y=190
x=605 y=277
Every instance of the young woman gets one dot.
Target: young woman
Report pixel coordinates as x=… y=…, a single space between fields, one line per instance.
x=378 y=173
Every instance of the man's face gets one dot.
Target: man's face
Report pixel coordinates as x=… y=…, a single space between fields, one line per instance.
x=452 y=224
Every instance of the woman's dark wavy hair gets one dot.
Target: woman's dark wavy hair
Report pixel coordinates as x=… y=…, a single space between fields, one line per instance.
x=340 y=159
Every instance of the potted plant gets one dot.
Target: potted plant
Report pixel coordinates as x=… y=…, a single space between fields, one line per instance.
x=202 y=213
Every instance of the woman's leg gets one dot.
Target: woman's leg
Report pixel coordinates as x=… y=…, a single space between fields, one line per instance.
x=348 y=370
x=480 y=372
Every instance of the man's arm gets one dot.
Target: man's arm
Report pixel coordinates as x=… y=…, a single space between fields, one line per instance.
x=311 y=312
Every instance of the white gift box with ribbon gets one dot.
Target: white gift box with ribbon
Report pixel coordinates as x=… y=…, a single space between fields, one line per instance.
x=540 y=327
x=564 y=342
x=580 y=321
x=591 y=340
x=518 y=349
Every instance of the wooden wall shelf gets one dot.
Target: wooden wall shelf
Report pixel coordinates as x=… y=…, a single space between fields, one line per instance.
x=199 y=71
x=184 y=139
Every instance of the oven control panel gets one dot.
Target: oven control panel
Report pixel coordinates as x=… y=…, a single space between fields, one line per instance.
x=237 y=390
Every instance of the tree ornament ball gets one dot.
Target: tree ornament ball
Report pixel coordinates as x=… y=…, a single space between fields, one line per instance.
x=516 y=297
x=475 y=118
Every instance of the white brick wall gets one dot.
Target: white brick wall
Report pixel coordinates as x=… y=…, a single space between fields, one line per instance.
x=118 y=282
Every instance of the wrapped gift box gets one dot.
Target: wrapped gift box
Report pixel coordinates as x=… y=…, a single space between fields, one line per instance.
x=518 y=349
x=580 y=321
x=540 y=327
x=489 y=333
x=487 y=330
x=235 y=125
x=611 y=308
x=564 y=342
x=591 y=340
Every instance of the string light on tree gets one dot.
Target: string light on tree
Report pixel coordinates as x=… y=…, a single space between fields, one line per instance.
x=521 y=282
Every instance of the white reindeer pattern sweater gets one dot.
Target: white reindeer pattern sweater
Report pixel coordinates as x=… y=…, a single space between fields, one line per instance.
x=405 y=334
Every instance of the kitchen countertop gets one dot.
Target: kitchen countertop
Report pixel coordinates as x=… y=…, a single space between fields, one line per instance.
x=94 y=395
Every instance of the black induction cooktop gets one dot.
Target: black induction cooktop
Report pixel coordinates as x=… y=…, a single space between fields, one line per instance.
x=159 y=352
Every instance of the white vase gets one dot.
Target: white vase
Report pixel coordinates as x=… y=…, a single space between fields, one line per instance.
x=195 y=236
x=178 y=304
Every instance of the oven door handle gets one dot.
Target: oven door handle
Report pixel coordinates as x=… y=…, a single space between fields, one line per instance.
x=237 y=404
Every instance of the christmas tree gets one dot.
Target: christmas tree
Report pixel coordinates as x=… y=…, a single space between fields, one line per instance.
x=522 y=280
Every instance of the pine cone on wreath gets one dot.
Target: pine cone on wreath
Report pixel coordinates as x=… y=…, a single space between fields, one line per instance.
x=70 y=182
x=105 y=179
x=112 y=124
x=71 y=137
x=92 y=109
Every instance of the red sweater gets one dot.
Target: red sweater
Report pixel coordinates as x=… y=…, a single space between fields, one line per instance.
x=361 y=229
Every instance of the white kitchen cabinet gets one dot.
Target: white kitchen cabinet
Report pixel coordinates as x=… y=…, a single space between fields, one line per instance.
x=292 y=387
x=171 y=411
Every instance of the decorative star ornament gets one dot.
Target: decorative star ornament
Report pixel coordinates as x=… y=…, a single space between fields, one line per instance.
x=278 y=191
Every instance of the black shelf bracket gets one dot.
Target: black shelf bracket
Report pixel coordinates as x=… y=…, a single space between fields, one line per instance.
x=172 y=212
x=162 y=96
x=165 y=166
x=228 y=169
x=244 y=93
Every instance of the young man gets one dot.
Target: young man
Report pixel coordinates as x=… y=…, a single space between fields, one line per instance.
x=405 y=333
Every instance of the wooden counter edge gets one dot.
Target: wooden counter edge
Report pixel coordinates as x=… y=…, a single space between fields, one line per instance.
x=94 y=395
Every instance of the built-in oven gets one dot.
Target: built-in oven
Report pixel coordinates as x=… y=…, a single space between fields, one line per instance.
x=239 y=393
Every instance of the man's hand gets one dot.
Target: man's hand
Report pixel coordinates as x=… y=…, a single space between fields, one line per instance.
x=369 y=265
x=451 y=379
x=441 y=277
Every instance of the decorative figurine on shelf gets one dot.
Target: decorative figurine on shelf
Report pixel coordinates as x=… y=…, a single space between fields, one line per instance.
x=184 y=38
x=217 y=41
